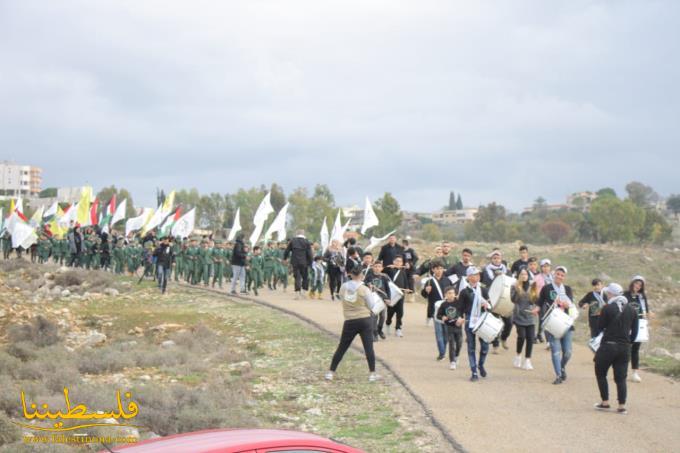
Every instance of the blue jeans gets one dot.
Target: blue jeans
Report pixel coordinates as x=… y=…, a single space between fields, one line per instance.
x=440 y=337
x=560 y=350
x=471 y=349
x=239 y=273
x=163 y=275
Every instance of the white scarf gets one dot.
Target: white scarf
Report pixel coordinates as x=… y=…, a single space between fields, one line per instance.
x=600 y=300
x=619 y=300
x=476 y=311
x=491 y=270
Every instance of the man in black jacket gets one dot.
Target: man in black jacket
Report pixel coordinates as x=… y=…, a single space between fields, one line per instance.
x=164 y=259
x=434 y=290
x=238 y=265
x=299 y=251
x=390 y=251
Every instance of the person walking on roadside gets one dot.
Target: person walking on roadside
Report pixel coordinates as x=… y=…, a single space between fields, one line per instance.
x=356 y=308
x=238 y=265
x=619 y=323
x=523 y=316
x=637 y=298
x=165 y=258
x=299 y=250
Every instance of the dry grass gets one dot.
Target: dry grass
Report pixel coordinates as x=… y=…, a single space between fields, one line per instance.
x=40 y=332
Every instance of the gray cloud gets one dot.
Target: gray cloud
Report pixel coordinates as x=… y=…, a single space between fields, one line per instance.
x=495 y=100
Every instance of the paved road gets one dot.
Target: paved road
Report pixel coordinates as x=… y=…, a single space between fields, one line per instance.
x=512 y=409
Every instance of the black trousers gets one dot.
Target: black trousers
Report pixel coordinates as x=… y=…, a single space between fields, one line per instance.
x=378 y=322
x=409 y=278
x=505 y=333
x=334 y=279
x=635 y=355
x=617 y=356
x=592 y=324
x=525 y=334
x=454 y=337
x=398 y=309
x=301 y=277
x=350 y=329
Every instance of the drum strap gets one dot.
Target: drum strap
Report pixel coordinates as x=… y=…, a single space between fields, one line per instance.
x=439 y=290
x=394 y=278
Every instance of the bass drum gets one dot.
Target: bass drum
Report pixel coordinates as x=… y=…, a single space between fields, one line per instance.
x=499 y=295
x=488 y=327
x=557 y=322
x=375 y=303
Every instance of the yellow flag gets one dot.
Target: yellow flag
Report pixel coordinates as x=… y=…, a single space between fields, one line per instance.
x=83 y=214
x=58 y=231
x=12 y=207
x=169 y=201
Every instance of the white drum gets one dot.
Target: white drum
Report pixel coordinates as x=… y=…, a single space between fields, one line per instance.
x=488 y=327
x=375 y=303
x=395 y=294
x=643 y=331
x=557 y=322
x=499 y=295
x=594 y=343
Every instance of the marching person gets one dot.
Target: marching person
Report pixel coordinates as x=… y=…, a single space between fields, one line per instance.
x=398 y=273
x=562 y=297
x=545 y=277
x=474 y=300
x=355 y=297
x=433 y=291
x=595 y=301
x=523 y=261
x=452 y=316
x=299 y=250
x=637 y=297
x=239 y=256
x=619 y=321
x=410 y=259
x=390 y=251
x=165 y=258
x=318 y=277
x=460 y=268
x=379 y=282
x=492 y=270
x=335 y=263
x=353 y=260
x=523 y=317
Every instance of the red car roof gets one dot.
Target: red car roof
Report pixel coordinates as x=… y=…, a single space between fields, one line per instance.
x=231 y=441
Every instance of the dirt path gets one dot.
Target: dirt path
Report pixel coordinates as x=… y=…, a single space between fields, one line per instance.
x=515 y=410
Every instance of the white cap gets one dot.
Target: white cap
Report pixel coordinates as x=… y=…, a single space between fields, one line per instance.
x=472 y=270
x=561 y=268
x=494 y=252
x=545 y=261
x=638 y=277
x=614 y=289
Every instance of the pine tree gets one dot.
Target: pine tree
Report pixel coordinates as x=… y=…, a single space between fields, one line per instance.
x=452 y=201
x=459 y=203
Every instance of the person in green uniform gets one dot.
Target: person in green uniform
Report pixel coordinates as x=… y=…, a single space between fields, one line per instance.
x=269 y=257
x=44 y=249
x=228 y=272
x=257 y=268
x=192 y=255
x=96 y=258
x=282 y=274
x=86 y=256
x=206 y=261
x=6 y=245
x=118 y=256
x=176 y=246
x=218 y=260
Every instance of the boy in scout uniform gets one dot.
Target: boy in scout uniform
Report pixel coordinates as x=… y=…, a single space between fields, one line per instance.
x=218 y=260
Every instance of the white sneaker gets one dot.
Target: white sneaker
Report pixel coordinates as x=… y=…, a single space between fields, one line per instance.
x=453 y=365
x=297 y=295
x=428 y=321
x=388 y=330
x=635 y=377
x=517 y=363
x=373 y=377
x=329 y=376
x=527 y=365
x=399 y=333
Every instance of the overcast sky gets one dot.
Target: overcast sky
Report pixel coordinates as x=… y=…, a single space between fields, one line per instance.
x=498 y=100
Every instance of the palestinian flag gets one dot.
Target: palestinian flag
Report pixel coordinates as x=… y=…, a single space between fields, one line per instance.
x=166 y=228
x=94 y=220
x=109 y=209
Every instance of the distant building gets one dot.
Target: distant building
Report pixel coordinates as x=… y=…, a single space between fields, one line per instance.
x=19 y=180
x=454 y=217
x=581 y=200
x=547 y=207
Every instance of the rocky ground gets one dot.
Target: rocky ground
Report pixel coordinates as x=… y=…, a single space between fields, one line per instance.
x=191 y=360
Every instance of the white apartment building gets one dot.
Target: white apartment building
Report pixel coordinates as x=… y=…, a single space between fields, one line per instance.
x=19 y=180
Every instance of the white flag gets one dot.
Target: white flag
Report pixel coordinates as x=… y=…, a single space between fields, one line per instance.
x=337 y=233
x=370 y=219
x=325 y=238
x=263 y=210
x=13 y=218
x=236 y=227
x=278 y=226
x=256 y=234
x=52 y=211
x=23 y=235
x=185 y=225
x=36 y=218
x=120 y=212
x=374 y=241
x=137 y=223
x=155 y=220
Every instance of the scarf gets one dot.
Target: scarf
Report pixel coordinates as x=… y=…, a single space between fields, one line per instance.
x=492 y=270
x=600 y=300
x=547 y=278
x=620 y=301
x=476 y=311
